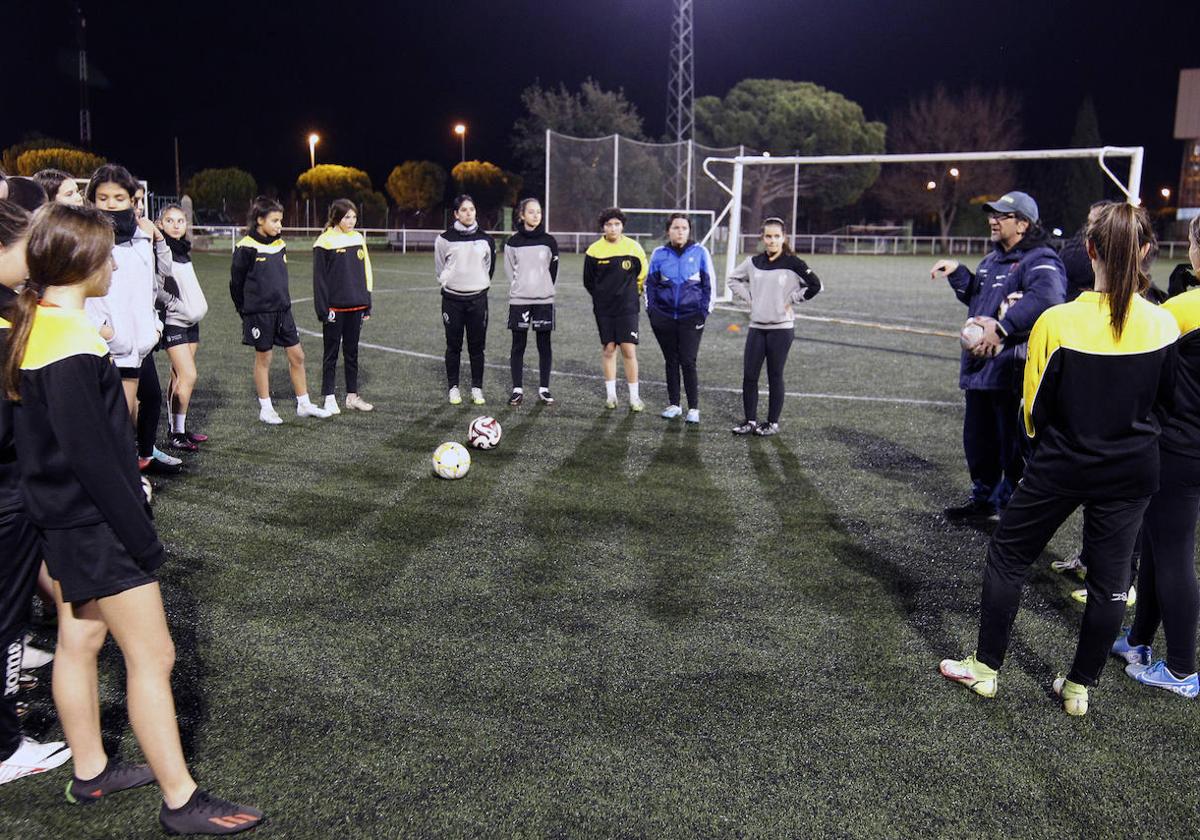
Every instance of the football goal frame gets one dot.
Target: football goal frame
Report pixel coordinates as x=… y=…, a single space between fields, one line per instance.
x=1130 y=188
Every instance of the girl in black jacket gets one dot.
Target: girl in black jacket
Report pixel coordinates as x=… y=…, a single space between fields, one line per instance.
x=342 y=284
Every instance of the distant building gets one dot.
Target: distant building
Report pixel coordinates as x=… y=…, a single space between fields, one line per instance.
x=1187 y=129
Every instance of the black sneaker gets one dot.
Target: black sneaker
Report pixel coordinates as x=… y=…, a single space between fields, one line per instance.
x=975 y=510
x=116 y=777
x=767 y=429
x=208 y=814
x=745 y=428
x=181 y=443
x=517 y=398
x=544 y=396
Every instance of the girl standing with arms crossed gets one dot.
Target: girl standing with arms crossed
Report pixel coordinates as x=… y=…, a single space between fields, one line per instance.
x=464 y=259
x=342 y=284
x=531 y=259
x=75 y=450
x=181 y=332
x=774 y=283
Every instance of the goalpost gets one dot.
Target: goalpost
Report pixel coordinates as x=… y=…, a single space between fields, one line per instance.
x=733 y=209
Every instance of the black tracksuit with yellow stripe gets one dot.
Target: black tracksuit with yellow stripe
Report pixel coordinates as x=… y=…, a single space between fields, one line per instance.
x=613 y=274
x=1090 y=402
x=342 y=276
x=258 y=276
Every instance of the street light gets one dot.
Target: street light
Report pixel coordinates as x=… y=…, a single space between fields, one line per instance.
x=953 y=171
x=313 y=139
x=1166 y=193
x=932 y=185
x=461 y=131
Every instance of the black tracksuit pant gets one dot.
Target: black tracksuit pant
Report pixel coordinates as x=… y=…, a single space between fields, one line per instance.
x=679 y=340
x=20 y=558
x=343 y=332
x=1033 y=515
x=1167 y=588
x=150 y=403
x=516 y=359
x=771 y=346
x=992 y=443
x=469 y=314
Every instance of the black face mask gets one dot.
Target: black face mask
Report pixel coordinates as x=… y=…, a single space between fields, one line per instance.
x=180 y=249
x=124 y=224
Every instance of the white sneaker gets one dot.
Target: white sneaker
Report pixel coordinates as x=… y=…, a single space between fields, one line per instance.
x=34 y=657
x=671 y=412
x=163 y=458
x=637 y=405
x=455 y=396
x=358 y=403
x=32 y=758
x=309 y=409
x=693 y=416
x=477 y=396
x=269 y=416
x=331 y=404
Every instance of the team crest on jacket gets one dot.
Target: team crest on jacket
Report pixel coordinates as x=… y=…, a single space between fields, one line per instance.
x=626 y=264
x=256 y=332
x=361 y=256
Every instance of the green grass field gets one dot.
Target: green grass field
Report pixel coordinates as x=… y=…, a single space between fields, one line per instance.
x=615 y=625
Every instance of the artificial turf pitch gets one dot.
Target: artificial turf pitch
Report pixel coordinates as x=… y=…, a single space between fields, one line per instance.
x=615 y=625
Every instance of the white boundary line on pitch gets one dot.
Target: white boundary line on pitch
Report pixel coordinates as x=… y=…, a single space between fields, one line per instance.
x=415 y=354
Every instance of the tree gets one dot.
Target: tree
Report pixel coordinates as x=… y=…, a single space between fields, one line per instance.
x=372 y=209
x=8 y=160
x=490 y=186
x=784 y=117
x=228 y=191
x=329 y=181
x=590 y=112
x=417 y=186
x=974 y=121
x=79 y=163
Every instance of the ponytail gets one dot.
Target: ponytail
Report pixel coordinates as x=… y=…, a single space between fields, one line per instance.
x=1118 y=233
x=21 y=317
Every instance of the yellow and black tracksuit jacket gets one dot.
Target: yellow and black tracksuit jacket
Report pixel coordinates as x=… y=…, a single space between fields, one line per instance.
x=613 y=274
x=77 y=455
x=1090 y=398
x=342 y=277
x=258 y=278
x=1181 y=421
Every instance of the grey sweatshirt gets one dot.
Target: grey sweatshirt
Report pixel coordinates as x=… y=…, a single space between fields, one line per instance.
x=464 y=259
x=773 y=288
x=531 y=260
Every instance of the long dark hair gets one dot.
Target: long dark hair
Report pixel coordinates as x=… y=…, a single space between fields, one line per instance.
x=51 y=180
x=67 y=245
x=111 y=173
x=14 y=222
x=260 y=208
x=338 y=211
x=1117 y=233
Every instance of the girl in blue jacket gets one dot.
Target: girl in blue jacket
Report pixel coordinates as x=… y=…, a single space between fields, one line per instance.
x=678 y=300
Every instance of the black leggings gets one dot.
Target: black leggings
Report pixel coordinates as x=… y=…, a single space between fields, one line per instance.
x=469 y=314
x=343 y=332
x=18 y=574
x=516 y=359
x=1167 y=588
x=150 y=399
x=772 y=346
x=1110 y=528
x=680 y=344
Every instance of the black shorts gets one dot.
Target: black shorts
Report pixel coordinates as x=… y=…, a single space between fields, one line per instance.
x=173 y=335
x=538 y=317
x=618 y=329
x=130 y=372
x=264 y=330
x=90 y=562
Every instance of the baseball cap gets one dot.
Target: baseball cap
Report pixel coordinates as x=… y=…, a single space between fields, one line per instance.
x=1014 y=202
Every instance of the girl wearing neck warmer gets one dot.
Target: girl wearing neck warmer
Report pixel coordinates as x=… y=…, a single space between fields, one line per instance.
x=185 y=305
x=531 y=258
x=464 y=258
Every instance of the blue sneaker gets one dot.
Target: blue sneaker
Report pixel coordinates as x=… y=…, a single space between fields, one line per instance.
x=1158 y=676
x=1131 y=654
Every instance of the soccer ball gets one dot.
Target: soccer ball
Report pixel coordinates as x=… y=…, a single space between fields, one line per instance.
x=484 y=432
x=451 y=460
x=971 y=333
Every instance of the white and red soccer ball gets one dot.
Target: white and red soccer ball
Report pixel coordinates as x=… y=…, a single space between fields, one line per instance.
x=484 y=432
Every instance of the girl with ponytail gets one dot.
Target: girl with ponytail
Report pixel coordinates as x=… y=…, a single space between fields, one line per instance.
x=75 y=448
x=1097 y=369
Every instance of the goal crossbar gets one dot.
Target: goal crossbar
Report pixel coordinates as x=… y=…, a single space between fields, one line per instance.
x=1131 y=189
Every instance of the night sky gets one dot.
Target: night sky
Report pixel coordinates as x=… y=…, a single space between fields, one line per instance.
x=382 y=82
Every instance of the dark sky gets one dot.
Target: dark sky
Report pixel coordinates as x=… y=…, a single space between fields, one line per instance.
x=382 y=82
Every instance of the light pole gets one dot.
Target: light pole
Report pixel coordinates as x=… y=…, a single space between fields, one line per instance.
x=313 y=140
x=461 y=131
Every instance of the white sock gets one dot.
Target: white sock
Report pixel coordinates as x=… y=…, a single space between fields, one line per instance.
x=330 y=398
x=633 y=391
x=610 y=385
x=302 y=400
x=543 y=390
x=179 y=423
x=518 y=390
x=265 y=403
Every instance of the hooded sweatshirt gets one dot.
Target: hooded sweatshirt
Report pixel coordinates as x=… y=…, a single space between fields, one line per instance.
x=342 y=276
x=531 y=260
x=773 y=288
x=464 y=259
x=184 y=299
x=129 y=305
x=258 y=277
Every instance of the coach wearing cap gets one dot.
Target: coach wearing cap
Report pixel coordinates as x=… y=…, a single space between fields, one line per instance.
x=1019 y=279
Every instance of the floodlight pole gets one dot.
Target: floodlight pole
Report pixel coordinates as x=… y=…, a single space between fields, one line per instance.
x=546 y=188
x=616 y=167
